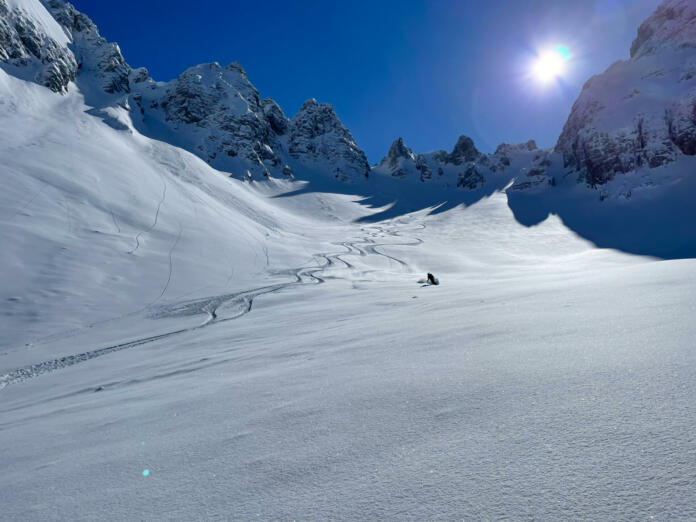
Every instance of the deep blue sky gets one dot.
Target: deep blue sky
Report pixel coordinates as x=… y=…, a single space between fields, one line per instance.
x=427 y=70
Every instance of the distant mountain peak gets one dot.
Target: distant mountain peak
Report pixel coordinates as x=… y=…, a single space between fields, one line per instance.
x=464 y=150
x=397 y=150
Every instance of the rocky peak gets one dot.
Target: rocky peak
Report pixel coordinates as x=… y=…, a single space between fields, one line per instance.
x=93 y=53
x=215 y=112
x=204 y=91
x=462 y=168
x=317 y=137
x=53 y=44
x=397 y=150
x=237 y=67
x=309 y=105
x=673 y=23
x=212 y=111
x=464 y=151
x=506 y=148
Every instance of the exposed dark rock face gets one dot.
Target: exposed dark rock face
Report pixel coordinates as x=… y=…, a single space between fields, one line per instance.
x=471 y=178
x=32 y=51
x=275 y=117
x=423 y=168
x=216 y=112
x=464 y=151
x=507 y=148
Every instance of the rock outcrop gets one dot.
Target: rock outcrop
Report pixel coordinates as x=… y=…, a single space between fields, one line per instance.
x=213 y=111
x=96 y=58
x=34 y=52
x=216 y=113
x=465 y=167
x=318 y=139
x=640 y=112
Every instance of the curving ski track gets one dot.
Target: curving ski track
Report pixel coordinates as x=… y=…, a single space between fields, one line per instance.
x=226 y=307
x=154 y=223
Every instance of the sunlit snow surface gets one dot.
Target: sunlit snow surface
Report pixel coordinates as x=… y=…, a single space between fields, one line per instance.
x=178 y=345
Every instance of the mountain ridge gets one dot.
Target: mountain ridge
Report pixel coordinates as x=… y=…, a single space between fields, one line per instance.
x=629 y=133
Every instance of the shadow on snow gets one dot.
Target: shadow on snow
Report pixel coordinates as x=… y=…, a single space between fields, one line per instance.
x=655 y=221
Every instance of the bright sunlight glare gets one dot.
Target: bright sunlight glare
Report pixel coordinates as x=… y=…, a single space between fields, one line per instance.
x=550 y=64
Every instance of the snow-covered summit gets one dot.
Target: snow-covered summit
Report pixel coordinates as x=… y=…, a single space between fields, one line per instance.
x=640 y=112
x=213 y=111
x=97 y=59
x=216 y=113
x=317 y=138
x=53 y=44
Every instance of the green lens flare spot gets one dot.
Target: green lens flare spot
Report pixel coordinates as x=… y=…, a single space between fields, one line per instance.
x=563 y=51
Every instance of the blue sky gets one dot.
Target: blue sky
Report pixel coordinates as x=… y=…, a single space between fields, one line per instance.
x=427 y=70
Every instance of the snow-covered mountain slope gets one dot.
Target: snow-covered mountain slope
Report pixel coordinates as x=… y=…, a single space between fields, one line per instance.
x=178 y=344
x=213 y=111
x=264 y=357
x=216 y=113
x=640 y=112
x=119 y=213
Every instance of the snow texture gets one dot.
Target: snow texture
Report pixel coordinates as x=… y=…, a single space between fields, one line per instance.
x=179 y=344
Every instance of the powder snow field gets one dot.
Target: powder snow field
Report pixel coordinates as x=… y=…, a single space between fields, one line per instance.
x=272 y=357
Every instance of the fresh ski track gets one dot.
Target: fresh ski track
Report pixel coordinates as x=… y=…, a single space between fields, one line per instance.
x=241 y=302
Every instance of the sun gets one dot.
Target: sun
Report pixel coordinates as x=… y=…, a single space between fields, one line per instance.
x=550 y=64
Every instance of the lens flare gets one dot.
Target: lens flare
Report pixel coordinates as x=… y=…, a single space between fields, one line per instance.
x=563 y=51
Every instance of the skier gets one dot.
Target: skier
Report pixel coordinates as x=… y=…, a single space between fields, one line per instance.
x=432 y=280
